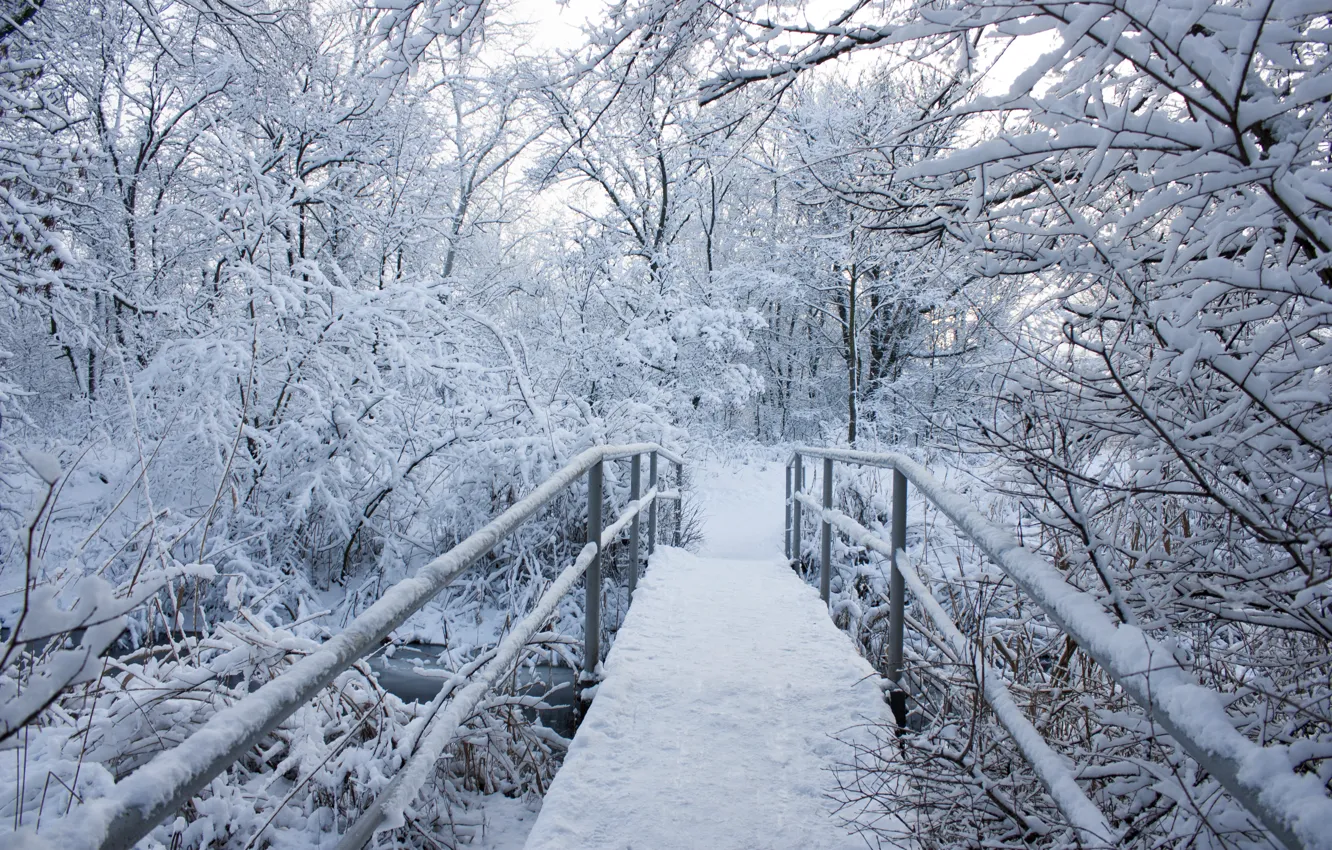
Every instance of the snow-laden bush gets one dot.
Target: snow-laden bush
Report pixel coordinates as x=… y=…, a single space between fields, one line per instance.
x=955 y=773
x=261 y=356
x=316 y=773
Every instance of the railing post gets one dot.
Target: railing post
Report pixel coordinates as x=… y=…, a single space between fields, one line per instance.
x=897 y=602
x=592 y=602
x=652 y=508
x=679 y=502
x=825 y=547
x=786 y=539
x=635 y=492
x=798 y=485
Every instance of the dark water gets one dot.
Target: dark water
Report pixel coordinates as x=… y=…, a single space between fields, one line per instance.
x=398 y=675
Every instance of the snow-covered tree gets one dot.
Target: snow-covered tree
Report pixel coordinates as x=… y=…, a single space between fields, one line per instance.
x=1154 y=177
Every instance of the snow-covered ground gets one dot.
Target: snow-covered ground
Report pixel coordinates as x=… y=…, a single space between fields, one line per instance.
x=742 y=508
x=725 y=695
x=505 y=822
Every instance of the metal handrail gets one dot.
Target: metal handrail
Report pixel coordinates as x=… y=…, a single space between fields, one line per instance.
x=387 y=810
x=1294 y=807
x=1092 y=827
x=161 y=786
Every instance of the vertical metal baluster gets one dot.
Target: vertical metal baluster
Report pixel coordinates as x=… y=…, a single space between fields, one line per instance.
x=798 y=482
x=635 y=487
x=786 y=539
x=897 y=602
x=679 y=501
x=652 y=508
x=592 y=580
x=825 y=548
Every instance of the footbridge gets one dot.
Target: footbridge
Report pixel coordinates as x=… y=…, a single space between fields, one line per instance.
x=729 y=700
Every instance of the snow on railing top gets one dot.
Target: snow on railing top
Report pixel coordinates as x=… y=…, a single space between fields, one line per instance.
x=387 y=810
x=155 y=790
x=1054 y=773
x=1295 y=808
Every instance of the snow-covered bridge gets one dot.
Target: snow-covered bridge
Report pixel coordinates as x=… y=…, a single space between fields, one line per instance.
x=730 y=700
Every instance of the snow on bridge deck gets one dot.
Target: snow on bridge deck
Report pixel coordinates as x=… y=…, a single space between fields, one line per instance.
x=725 y=695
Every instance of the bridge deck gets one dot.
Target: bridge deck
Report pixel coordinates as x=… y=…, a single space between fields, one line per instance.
x=720 y=715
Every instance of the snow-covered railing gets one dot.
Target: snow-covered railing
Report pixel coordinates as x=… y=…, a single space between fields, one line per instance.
x=1294 y=808
x=157 y=789
x=387 y=810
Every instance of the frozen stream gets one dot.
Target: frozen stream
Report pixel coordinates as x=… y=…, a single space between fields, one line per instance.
x=401 y=675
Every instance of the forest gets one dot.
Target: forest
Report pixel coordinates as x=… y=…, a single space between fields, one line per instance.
x=297 y=294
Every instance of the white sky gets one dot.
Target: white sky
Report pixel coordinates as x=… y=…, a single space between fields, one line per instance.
x=557 y=25
x=558 y=22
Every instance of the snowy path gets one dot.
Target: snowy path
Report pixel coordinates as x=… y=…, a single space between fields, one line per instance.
x=715 y=725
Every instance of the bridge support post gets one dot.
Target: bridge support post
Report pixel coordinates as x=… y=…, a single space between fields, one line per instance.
x=787 y=537
x=679 y=502
x=635 y=492
x=825 y=545
x=798 y=485
x=652 y=508
x=897 y=603
x=592 y=579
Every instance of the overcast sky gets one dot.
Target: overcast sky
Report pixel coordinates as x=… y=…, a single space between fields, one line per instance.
x=558 y=25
